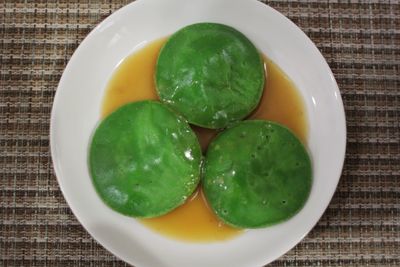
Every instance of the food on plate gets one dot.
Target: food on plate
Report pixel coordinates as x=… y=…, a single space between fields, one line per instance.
x=256 y=173
x=144 y=159
x=211 y=74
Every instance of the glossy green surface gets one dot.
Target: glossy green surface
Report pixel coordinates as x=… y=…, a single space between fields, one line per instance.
x=211 y=74
x=256 y=173
x=144 y=159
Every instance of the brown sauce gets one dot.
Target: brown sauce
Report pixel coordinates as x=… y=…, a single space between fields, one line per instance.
x=133 y=80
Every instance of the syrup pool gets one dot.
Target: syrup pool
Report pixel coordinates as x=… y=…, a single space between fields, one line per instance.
x=133 y=80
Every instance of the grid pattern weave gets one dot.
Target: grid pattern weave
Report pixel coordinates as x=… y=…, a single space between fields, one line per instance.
x=361 y=42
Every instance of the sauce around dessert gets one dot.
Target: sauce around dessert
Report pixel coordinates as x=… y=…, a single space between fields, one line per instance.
x=133 y=80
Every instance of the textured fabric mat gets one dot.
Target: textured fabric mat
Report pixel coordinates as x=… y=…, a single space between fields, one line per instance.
x=359 y=39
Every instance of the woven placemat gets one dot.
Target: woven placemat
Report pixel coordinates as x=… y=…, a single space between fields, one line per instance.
x=359 y=39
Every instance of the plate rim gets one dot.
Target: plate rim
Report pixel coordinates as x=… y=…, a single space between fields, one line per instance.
x=110 y=18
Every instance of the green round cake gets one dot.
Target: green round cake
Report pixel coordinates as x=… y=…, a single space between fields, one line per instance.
x=256 y=173
x=211 y=74
x=144 y=159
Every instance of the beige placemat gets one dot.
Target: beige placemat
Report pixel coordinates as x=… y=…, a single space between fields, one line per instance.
x=361 y=42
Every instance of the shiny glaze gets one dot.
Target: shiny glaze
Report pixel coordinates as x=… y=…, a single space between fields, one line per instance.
x=211 y=74
x=144 y=159
x=256 y=173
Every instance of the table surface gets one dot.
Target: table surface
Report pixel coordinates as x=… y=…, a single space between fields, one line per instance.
x=359 y=39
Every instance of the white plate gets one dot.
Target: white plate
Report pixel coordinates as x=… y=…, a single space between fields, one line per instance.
x=76 y=111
